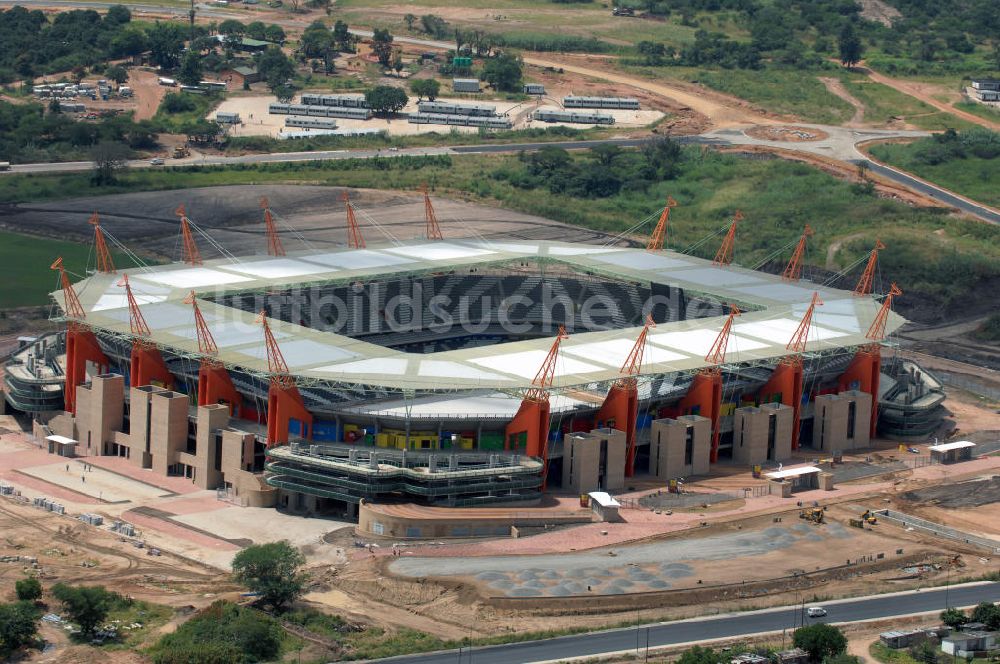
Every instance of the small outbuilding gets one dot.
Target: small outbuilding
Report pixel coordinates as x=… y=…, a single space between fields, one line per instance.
x=61 y=445
x=803 y=478
x=604 y=506
x=465 y=84
x=954 y=452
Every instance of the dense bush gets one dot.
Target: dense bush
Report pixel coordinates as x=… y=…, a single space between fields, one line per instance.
x=224 y=633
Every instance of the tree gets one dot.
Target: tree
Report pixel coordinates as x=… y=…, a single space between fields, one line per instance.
x=842 y=658
x=409 y=19
x=382 y=46
x=116 y=73
x=925 y=653
x=87 y=606
x=504 y=72
x=316 y=40
x=699 y=655
x=190 y=73
x=664 y=156
x=386 y=99
x=117 y=15
x=820 y=641
x=18 y=626
x=275 y=33
x=988 y=614
x=166 y=41
x=255 y=30
x=850 y=46
x=342 y=37
x=397 y=62
x=131 y=43
x=28 y=589
x=232 y=32
x=271 y=570
x=954 y=618
x=425 y=87
x=275 y=68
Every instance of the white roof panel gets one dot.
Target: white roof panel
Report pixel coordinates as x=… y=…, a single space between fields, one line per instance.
x=511 y=247
x=231 y=333
x=782 y=329
x=604 y=499
x=792 y=472
x=358 y=259
x=947 y=447
x=445 y=369
x=278 y=268
x=712 y=276
x=195 y=277
x=581 y=250
x=699 y=342
x=526 y=363
x=437 y=251
x=163 y=315
x=635 y=260
x=613 y=352
x=780 y=292
x=302 y=352
x=62 y=440
x=119 y=300
x=375 y=365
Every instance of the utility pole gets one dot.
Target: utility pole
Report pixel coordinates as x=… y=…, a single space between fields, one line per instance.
x=191 y=17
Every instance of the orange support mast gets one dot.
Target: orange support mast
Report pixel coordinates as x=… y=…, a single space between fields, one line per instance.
x=104 y=262
x=430 y=218
x=214 y=383
x=146 y=365
x=864 y=286
x=717 y=353
x=529 y=430
x=284 y=403
x=724 y=256
x=705 y=392
x=354 y=238
x=274 y=246
x=621 y=407
x=191 y=254
x=794 y=268
x=82 y=346
x=876 y=332
x=659 y=236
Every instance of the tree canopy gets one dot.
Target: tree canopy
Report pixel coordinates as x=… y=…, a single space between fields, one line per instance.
x=28 y=589
x=18 y=626
x=820 y=641
x=386 y=99
x=988 y=614
x=504 y=72
x=954 y=618
x=850 y=46
x=272 y=570
x=425 y=87
x=382 y=46
x=87 y=606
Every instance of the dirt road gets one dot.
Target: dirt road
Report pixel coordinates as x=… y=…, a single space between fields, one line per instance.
x=837 y=87
x=915 y=91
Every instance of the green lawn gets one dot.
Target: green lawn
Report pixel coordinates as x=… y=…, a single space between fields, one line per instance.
x=25 y=277
x=783 y=91
x=883 y=103
x=988 y=112
x=970 y=176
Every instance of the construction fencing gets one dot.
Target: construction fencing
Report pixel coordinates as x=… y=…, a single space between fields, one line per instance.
x=938 y=530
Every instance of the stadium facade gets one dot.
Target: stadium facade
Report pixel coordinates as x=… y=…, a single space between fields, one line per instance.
x=407 y=370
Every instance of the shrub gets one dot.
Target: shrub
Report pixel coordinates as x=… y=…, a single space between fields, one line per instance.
x=223 y=632
x=28 y=589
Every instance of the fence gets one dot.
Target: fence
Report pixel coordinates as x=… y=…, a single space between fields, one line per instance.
x=938 y=530
x=683 y=500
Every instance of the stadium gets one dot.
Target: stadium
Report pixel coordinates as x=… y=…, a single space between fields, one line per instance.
x=460 y=372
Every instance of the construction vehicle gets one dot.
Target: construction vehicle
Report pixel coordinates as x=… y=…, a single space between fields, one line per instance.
x=181 y=151
x=869 y=518
x=814 y=514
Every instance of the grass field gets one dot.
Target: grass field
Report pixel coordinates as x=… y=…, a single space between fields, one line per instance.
x=970 y=176
x=883 y=103
x=988 y=112
x=929 y=252
x=781 y=91
x=25 y=277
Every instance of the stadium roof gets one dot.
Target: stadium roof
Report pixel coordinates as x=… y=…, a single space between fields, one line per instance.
x=772 y=311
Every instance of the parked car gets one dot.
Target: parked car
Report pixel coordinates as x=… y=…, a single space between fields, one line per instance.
x=815 y=612
x=156 y=161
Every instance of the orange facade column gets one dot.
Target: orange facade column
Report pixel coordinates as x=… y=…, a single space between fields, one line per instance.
x=786 y=381
x=284 y=405
x=81 y=347
x=704 y=398
x=216 y=386
x=531 y=422
x=863 y=374
x=619 y=411
x=148 y=368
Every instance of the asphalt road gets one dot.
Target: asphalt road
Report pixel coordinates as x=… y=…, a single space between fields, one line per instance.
x=701 y=629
